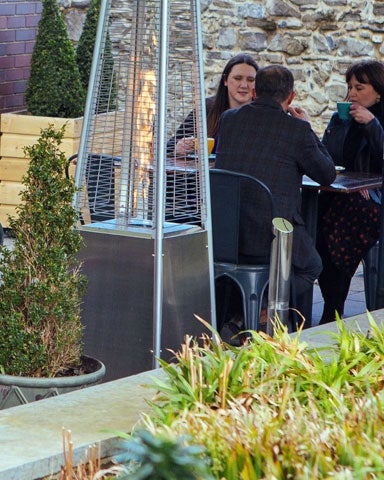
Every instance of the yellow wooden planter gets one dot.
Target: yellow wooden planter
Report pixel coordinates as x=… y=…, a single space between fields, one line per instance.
x=19 y=130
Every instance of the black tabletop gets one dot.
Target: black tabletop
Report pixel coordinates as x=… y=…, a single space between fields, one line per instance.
x=346 y=182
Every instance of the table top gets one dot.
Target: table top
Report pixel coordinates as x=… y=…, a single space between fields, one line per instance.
x=346 y=182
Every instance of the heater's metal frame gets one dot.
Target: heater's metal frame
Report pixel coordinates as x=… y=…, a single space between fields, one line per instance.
x=168 y=268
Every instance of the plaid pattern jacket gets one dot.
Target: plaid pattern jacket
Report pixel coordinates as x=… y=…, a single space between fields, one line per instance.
x=260 y=139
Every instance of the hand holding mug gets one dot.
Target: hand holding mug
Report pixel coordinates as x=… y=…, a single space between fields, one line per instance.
x=185 y=146
x=360 y=114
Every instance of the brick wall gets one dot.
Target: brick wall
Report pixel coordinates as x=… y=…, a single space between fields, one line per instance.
x=18 y=26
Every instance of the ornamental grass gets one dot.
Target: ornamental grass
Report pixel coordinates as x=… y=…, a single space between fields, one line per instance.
x=277 y=409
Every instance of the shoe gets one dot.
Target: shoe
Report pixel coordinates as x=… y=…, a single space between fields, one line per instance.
x=232 y=332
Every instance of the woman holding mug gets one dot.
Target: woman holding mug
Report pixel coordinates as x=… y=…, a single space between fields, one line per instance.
x=236 y=88
x=349 y=224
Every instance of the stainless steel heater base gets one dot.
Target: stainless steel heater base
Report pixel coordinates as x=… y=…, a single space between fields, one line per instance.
x=118 y=305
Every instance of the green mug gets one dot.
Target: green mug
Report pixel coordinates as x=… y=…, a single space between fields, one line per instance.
x=343 y=110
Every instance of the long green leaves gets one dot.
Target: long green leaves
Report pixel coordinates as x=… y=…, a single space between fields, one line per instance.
x=276 y=409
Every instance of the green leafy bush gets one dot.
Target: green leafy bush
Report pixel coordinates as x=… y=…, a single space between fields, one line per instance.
x=54 y=87
x=41 y=283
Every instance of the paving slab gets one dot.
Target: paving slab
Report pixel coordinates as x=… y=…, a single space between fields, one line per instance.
x=31 y=435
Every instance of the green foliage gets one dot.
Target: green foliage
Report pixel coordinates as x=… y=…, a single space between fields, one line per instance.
x=277 y=409
x=84 y=55
x=54 y=87
x=161 y=457
x=42 y=285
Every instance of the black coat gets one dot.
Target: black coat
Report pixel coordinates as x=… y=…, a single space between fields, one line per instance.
x=369 y=154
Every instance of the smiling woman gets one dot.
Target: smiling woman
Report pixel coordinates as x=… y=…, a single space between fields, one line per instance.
x=236 y=88
x=240 y=83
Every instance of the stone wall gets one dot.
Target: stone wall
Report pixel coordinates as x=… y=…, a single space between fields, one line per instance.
x=316 y=39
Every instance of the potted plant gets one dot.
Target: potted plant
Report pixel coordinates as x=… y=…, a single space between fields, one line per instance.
x=42 y=285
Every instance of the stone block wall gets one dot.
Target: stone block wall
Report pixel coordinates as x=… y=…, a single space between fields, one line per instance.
x=316 y=39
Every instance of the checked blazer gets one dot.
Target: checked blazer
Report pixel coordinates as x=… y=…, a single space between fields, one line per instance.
x=262 y=140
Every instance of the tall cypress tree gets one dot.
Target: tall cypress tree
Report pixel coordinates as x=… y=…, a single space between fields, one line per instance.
x=54 y=87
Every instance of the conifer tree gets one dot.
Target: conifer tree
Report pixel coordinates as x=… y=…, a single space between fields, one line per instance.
x=54 y=88
x=41 y=281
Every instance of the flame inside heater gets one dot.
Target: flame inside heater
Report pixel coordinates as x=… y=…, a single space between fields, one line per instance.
x=146 y=109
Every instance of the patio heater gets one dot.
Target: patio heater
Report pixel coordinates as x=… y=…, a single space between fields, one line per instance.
x=145 y=211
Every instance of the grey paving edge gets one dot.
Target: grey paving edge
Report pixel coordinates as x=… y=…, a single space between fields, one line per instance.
x=31 y=435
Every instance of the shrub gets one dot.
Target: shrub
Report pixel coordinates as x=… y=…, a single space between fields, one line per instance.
x=42 y=285
x=54 y=87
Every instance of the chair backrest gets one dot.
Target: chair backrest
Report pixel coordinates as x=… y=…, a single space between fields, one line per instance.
x=100 y=183
x=227 y=190
x=100 y=178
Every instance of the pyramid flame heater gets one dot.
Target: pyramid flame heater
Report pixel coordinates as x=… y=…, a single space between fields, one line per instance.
x=144 y=208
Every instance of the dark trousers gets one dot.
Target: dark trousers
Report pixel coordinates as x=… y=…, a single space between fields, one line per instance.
x=334 y=284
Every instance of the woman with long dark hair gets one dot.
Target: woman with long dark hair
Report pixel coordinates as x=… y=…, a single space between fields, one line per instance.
x=349 y=224
x=236 y=88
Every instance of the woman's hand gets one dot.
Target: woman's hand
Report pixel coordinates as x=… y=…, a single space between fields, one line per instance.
x=365 y=194
x=185 y=146
x=360 y=113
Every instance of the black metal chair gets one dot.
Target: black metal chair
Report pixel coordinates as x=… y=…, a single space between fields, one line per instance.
x=252 y=279
x=100 y=181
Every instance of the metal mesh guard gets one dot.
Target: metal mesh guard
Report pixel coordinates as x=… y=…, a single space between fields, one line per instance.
x=119 y=169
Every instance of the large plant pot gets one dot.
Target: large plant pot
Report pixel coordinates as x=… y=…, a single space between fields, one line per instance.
x=15 y=390
x=18 y=130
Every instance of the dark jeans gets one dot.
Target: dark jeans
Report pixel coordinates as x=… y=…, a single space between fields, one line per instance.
x=334 y=284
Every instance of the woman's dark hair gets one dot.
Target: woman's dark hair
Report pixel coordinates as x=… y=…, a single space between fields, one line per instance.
x=368 y=71
x=221 y=101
